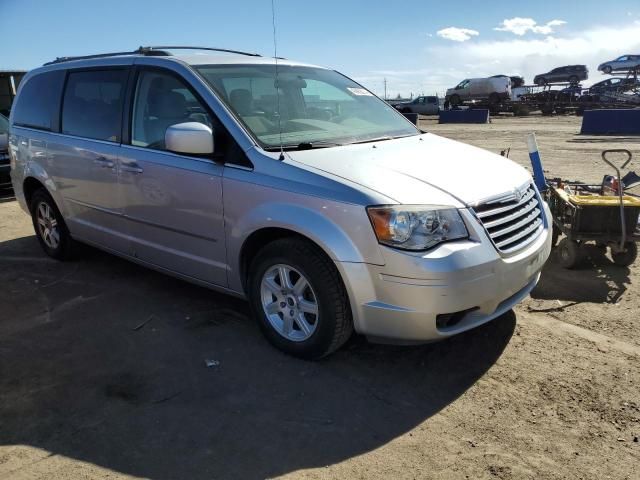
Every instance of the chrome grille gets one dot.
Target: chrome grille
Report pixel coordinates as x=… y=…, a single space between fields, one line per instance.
x=512 y=223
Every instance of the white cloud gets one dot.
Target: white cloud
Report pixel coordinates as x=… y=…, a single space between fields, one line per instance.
x=520 y=26
x=446 y=65
x=530 y=57
x=457 y=34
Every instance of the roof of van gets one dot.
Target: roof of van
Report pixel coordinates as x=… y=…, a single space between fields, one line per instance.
x=232 y=59
x=195 y=56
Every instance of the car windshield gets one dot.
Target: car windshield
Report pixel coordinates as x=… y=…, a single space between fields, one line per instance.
x=305 y=106
x=4 y=125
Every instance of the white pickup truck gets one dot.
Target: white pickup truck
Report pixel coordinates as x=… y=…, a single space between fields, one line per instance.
x=493 y=89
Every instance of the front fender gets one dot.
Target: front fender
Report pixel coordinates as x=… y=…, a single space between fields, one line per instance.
x=340 y=230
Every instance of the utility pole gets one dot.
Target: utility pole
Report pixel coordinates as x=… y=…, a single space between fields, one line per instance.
x=385 y=88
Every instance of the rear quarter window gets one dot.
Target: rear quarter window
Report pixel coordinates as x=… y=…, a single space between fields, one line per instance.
x=38 y=102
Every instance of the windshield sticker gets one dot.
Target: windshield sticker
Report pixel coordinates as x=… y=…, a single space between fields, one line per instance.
x=360 y=92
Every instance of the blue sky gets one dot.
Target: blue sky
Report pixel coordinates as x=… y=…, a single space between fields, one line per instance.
x=419 y=46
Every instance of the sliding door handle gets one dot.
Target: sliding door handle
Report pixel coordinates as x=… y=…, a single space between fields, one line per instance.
x=131 y=168
x=103 y=162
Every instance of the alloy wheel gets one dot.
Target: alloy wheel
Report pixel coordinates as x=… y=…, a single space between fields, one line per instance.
x=47 y=225
x=289 y=302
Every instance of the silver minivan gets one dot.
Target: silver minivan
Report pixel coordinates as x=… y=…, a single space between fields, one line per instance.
x=286 y=184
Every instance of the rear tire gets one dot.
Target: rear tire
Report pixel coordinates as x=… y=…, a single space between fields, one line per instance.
x=570 y=253
x=285 y=313
x=51 y=230
x=626 y=257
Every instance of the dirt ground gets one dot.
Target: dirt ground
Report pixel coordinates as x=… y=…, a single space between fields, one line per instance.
x=102 y=371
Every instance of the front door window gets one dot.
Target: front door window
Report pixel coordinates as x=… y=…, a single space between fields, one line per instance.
x=161 y=101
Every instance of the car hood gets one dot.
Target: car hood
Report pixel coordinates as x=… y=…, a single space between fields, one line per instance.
x=422 y=169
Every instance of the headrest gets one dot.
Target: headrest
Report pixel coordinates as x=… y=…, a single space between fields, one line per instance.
x=241 y=100
x=167 y=104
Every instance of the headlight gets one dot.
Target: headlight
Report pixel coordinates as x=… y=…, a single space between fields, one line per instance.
x=416 y=227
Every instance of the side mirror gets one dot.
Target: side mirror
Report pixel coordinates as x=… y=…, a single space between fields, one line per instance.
x=190 y=137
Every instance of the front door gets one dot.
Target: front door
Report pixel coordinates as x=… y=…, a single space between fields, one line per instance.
x=174 y=209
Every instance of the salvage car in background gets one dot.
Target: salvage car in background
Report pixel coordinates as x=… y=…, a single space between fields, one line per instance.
x=623 y=63
x=615 y=84
x=493 y=89
x=567 y=74
x=424 y=105
x=516 y=80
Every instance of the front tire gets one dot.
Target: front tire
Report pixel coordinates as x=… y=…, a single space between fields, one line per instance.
x=51 y=230
x=299 y=299
x=607 y=69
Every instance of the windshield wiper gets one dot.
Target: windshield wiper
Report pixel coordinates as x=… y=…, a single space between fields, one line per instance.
x=304 y=146
x=377 y=139
x=385 y=137
x=325 y=144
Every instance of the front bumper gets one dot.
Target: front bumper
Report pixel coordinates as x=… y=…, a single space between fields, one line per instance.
x=401 y=301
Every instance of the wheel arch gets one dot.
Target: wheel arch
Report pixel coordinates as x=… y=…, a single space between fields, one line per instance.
x=256 y=241
x=271 y=221
x=35 y=176
x=29 y=187
x=32 y=183
x=265 y=235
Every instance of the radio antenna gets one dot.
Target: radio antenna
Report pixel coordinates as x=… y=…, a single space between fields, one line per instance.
x=277 y=83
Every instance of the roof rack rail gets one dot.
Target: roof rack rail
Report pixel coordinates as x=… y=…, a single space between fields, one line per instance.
x=148 y=51
x=105 y=55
